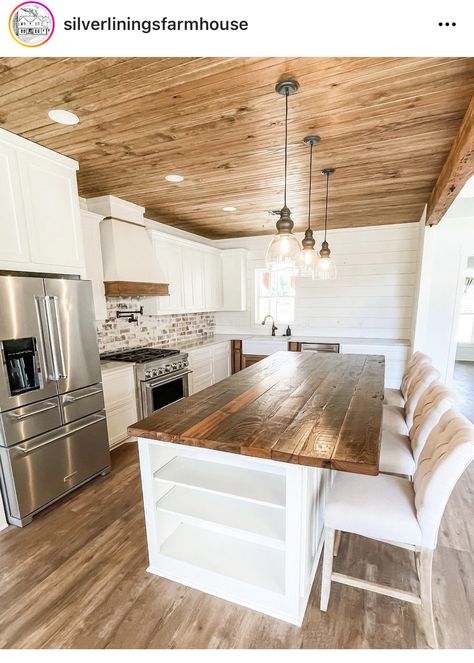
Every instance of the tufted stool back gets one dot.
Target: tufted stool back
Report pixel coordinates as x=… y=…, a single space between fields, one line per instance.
x=415 y=362
x=424 y=377
x=448 y=451
x=431 y=406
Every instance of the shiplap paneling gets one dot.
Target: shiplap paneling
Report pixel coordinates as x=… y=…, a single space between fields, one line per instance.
x=371 y=298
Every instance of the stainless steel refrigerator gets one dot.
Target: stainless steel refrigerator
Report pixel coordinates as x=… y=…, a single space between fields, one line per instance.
x=53 y=431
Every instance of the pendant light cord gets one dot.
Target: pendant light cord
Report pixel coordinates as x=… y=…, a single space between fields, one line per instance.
x=286 y=139
x=326 y=213
x=309 y=192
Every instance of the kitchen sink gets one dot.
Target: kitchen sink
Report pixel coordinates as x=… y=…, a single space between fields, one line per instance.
x=264 y=345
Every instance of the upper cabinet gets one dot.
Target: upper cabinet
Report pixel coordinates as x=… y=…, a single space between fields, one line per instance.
x=234 y=279
x=40 y=226
x=193 y=272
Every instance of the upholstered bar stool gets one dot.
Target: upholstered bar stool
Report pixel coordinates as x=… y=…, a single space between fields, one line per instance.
x=399 y=512
x=398 y=396
x=400 y=419
x=399 y=453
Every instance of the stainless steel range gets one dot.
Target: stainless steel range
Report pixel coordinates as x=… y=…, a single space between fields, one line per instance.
x=161 y=376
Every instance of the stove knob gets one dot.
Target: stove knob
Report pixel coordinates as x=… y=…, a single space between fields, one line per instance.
x=161 y=371
x=168 y=368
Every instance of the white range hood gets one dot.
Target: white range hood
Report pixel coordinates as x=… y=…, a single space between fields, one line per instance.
x=130 y=265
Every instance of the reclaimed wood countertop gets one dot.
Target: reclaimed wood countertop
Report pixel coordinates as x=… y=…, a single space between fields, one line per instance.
x=321 y=410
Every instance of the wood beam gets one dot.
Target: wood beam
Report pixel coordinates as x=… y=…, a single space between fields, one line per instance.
x=457 y=169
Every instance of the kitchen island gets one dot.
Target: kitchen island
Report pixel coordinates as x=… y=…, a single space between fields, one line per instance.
x=235 y=478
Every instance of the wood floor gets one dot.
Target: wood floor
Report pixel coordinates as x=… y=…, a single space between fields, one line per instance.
x=464 y=386
x=75 y=578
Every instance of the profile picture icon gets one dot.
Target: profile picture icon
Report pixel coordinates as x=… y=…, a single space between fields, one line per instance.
x=31 y=24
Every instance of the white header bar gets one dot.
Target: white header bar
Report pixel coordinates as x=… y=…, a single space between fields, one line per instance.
x=245 y=28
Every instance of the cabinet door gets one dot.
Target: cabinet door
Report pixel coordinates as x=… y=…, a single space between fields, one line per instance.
x=170 y=260
x=213 y=281
x=250 y=360
x=221 y=362
x=52 y=212
x=234 y=280
x=193 y=279
x=13 y=235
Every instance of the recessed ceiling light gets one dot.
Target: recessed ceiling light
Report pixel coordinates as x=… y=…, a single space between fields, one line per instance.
x=174 y=178
x=229 y=209
x=63 y=116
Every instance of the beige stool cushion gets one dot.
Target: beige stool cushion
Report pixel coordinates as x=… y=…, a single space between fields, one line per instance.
x=381 y=507
x=393 y=397
x=395 y=454
x=393 y=420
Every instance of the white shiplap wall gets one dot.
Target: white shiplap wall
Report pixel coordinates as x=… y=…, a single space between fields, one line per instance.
x=371 y=298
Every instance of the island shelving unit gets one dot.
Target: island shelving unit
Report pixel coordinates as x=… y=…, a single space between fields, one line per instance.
x=236 y=477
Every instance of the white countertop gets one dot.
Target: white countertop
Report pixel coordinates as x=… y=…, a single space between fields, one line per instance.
x=107 y=366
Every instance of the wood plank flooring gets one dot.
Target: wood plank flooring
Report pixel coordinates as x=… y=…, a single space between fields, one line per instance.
x=463 y=383
x=75 y=578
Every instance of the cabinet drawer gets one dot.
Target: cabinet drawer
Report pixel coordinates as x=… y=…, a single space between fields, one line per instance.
x=28 y=421
x=82 y=402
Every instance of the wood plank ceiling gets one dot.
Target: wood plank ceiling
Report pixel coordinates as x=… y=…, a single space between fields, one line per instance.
x=387 y=125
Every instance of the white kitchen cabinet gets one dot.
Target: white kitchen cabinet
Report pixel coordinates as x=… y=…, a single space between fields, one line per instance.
x=221 y=361
x=13 y=235
x=94 y=270
x=234 y=279
x=40 y=227
x=212 y=281
x=209 y=365
x=118 y=380
x=193 y=277
x=193 y=272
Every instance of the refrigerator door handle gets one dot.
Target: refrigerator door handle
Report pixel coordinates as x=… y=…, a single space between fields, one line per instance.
x=56 y=337
x=45 y=338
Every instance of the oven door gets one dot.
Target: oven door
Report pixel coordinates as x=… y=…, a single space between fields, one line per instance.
x=160 y=392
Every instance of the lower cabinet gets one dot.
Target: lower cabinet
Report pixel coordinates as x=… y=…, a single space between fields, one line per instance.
x=209 y=365
x=120 y=401
x=250 y=360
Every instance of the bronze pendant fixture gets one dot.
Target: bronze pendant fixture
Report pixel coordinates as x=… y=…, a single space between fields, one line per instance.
x=326 y=266
x=284 y=248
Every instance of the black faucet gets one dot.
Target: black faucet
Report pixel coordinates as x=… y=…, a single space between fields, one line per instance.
x=274 y=327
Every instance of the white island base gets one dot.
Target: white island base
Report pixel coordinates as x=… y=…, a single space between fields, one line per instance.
x=245 y=529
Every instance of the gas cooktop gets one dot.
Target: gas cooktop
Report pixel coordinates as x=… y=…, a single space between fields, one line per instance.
x=139 y=355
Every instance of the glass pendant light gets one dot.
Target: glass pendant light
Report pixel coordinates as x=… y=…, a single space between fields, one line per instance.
x=326 y=267
x=308 y=257
x=284 y=248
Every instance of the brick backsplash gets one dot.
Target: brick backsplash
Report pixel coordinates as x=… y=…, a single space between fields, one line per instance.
x=158 y=330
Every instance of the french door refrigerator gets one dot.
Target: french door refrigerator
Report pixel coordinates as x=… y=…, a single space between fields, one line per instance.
x=53 y=432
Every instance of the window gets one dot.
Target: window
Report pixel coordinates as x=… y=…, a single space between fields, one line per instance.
x=274 y=295
x=466 y=314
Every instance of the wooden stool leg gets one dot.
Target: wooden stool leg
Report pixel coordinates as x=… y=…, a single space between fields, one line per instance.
x=327 y=567
x=425 y=560
x=337 y=542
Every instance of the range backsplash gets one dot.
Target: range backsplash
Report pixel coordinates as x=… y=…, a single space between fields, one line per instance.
x=158 y=330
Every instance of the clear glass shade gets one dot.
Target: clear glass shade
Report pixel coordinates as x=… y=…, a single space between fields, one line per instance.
x=307 y=262
x=283 y=252
x=326 y=268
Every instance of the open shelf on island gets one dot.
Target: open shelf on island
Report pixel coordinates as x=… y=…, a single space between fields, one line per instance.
x=247 y=484
x=245 y=561
x=256 y=522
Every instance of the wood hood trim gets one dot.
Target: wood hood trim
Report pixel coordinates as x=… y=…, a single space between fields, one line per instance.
x=135 y=289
